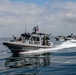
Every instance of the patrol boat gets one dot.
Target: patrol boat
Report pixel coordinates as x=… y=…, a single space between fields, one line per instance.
x=29 y=41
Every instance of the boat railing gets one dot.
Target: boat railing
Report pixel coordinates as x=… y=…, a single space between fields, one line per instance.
x=33 y=42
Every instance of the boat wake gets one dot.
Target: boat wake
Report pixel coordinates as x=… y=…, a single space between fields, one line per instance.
x=67 y=44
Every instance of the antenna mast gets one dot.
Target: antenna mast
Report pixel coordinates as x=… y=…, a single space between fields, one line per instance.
x=25 y=28
x=25 y=24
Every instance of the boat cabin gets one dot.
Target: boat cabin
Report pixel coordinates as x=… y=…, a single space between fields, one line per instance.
x=35 y=39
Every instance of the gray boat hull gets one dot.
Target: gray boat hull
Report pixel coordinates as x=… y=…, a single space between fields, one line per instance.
x=16 y=48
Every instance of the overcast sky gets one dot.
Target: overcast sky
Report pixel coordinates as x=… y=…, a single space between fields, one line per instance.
x=53 y=16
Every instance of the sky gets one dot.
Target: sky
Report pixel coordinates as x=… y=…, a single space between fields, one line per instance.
x=57 y=17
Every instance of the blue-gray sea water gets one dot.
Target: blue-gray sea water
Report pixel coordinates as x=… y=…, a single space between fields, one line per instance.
x=60 y=62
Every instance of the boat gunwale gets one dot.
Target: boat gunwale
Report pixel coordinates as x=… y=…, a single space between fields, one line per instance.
x=24 y=44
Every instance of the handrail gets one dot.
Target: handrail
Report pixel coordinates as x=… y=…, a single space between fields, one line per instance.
x=34 y=42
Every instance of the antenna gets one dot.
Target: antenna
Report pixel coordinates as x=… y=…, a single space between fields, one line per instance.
x=41 y=14
x=25 y=28
x=25 y=24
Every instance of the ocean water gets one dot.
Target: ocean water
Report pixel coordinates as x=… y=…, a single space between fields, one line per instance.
x=59 y=62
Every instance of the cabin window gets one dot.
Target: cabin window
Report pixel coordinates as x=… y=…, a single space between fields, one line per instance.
x=32 y=39
x=35 y=39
